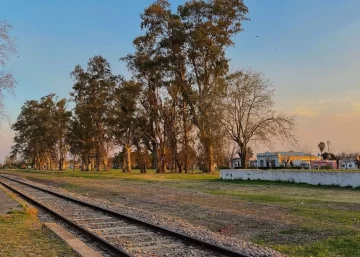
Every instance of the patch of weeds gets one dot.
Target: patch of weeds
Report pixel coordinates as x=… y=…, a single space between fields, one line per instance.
x=328 y=217
x=284 y=183
x=296 y=236
x=252 y=197
x=336 y=246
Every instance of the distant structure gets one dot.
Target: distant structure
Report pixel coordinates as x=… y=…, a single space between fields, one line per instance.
x=236 y=163
x=331 y=164
x=348 y=164
x=285 y=159
x=292 y=159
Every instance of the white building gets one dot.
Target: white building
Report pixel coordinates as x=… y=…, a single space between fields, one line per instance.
x=236 y=163
x=348 y=164
x=285 y=159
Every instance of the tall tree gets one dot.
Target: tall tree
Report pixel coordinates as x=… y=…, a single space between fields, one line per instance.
x=92 y=94
x=145 y=66
x=321 y=147
x=79 y=137
x=61 y=119
x=7 y=80
x=190 y=45
x=122 y=119
x=40 y=132
x=249 y=114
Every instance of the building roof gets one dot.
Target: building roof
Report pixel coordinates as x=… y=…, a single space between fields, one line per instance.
x=238 y=159
x=290 y=153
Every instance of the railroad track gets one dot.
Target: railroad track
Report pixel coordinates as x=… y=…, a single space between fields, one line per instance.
x=119 y=234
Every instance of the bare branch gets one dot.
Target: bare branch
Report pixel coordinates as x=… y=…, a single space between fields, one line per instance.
x=249 y=113
x=7 y=81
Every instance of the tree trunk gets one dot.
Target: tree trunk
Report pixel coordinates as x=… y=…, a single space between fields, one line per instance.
x=208 y=153
x=124 y=161
x=61 y=157
x=92 y=164
x=178 y=163
x=61 y=163
x=143 y=168
x=211 y=159
x=185 y=138
x=128 y=158
x=48 y=163
x=161 y=160
x=105 y=160
x=244 y=163
x=155 y=157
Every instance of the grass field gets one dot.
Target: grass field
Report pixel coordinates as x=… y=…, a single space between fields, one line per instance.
x=296 y=219
x=22 y=234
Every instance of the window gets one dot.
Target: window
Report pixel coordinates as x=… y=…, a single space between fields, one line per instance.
x=261 y=163
x=350 y=165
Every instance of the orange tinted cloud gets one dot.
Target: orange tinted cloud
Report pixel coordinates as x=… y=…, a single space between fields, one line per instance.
x=307 y=111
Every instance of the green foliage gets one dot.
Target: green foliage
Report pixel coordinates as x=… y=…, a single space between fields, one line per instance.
x=92 y=93
x=40 y=131
x=185 y=51
x=321 y=146
x=328 y=156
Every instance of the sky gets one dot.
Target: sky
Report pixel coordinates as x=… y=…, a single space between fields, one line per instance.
x=308 y=49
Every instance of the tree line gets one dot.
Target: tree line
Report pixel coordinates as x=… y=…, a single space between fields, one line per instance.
x=182 y=102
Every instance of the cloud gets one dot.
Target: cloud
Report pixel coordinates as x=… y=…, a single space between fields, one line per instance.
x=356 y=107
x=346 y=106
x=352 y=110
x=307 y=111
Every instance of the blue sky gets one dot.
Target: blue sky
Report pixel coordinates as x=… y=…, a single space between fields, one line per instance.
x=308 y=49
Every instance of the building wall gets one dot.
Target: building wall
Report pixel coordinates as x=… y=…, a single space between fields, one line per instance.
x=350 y=165
x=278 y=159
x=305 y=158
x=236 y=163
x=324 y=163
x=262 y=159
x=313 y=178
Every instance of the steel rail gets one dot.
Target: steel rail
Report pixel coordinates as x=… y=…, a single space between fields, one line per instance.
x=188 y=239
x=106 y=245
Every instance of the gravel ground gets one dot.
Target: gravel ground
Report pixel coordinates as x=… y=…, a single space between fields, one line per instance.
x=46 y=217
x=175 y=223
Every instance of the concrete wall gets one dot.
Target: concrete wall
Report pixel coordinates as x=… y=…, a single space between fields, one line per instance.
x=313 y=178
